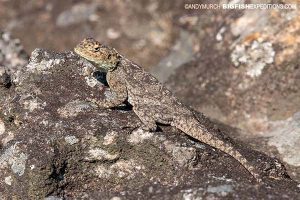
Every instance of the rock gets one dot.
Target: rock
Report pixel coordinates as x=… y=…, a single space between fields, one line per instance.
x=181 y=53
x=138 y=136
x=246 y=74
x=55 y=145
x=221 y=190
x=5 y=79
x=285 y=137
x=254 y=56
x=12 y=54
x=250 y=77
x=78 y=13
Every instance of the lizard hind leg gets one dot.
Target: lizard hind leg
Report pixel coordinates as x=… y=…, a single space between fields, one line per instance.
x=149 y=123
x=192 y=127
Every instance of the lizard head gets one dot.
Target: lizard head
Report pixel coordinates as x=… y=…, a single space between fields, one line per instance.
x=92 y=50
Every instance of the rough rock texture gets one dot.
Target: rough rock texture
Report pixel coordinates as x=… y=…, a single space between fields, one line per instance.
x=12 y=58
x=12 y=53
x=144 y=26
x=246 y=74
x=54 y=144
x=240 y=67
x=257 y=68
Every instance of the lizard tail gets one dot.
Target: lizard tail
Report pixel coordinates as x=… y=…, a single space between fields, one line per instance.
x=192 y=127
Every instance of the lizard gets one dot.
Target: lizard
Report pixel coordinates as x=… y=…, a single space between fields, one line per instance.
x=151 y=101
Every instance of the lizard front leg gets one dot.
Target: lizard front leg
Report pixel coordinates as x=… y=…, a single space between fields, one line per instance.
x=118 y=88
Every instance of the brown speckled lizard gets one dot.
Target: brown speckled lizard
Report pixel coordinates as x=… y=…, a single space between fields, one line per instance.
x=151 y=101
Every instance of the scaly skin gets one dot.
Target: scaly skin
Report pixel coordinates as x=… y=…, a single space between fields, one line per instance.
x=151 y=101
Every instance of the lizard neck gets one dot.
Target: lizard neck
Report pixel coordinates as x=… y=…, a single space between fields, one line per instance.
x=118 y=64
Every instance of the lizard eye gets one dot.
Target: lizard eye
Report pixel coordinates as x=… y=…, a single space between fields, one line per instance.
x=97 y=49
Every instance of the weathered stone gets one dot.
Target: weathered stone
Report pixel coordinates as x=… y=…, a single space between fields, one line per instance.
x=55 y=144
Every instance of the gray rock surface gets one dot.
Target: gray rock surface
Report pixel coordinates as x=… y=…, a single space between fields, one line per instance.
x=232 y=76
x=284 y=135
x=12 y=53
x=181 y=53
x=78 y=13
x=56 y=145
x=246 y=74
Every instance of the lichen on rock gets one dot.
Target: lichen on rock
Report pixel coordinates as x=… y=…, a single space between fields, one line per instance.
x=254 y=57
